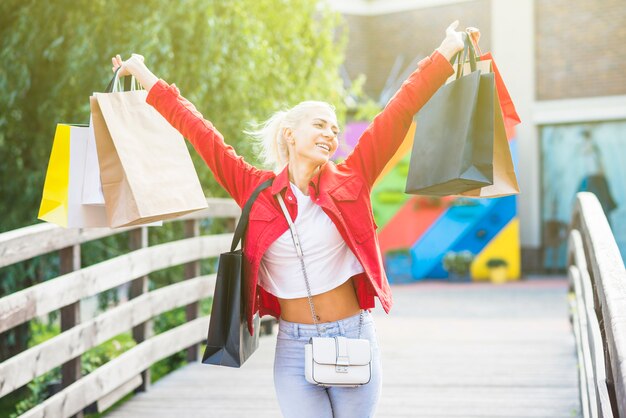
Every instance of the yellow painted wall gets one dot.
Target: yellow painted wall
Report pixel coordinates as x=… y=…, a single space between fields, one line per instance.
x=505 y=245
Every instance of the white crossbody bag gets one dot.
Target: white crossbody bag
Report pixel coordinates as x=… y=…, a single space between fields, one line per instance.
x=331 y=361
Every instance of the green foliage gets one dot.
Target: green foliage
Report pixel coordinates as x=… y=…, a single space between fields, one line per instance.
x=38 y=391
x=458 y=262
x=162 y=367
x=164 y=322
x=40 y=388
x=42 y=331
x=16 y=277
x=496 y=262
x=112 y=348
x=360 y=106
x=237 y=61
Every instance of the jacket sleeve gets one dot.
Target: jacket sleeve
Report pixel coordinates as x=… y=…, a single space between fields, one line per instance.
x=231 y=171
x=385 y=134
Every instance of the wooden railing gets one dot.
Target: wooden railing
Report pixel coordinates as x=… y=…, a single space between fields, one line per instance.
x=598 y=309
x=130 y=371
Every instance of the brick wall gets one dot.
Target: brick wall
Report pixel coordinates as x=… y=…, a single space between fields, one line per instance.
x=374 y=42
x=580 y=48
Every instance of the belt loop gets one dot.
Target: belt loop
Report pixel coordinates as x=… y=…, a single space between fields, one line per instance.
x=296 y=330
x=342 y=328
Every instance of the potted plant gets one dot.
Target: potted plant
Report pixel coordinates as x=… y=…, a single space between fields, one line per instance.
x=497 y=270
x=398 y=265
x=457 y=264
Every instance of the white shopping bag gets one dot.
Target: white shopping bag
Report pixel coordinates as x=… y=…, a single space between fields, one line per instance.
x=80 y=215
x=92 y=186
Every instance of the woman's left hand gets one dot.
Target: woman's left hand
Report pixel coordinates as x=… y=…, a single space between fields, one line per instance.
x=453 y=41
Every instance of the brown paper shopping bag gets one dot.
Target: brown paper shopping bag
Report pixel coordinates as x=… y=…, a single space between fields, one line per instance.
x=504 y=178
x=146 y=170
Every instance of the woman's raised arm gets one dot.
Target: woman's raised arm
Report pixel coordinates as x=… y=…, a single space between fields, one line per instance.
x=231 y=171
x=385 y=134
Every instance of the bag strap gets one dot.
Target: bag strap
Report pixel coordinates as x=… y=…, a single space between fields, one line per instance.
x=460 y=57
x=130 y=83
x=296 y=243
x=245 y=213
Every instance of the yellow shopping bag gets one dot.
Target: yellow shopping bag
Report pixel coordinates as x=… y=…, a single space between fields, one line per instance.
x=54 y=201
x=61 y=202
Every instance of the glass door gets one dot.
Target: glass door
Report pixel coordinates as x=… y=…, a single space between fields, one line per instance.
x=581 y=157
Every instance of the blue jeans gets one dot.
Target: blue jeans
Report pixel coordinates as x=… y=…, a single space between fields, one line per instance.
x=300 y=399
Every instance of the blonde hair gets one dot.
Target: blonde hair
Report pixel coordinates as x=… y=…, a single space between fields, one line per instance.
x=270 y=134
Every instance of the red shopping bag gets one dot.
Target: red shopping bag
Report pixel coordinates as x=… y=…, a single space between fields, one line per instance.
x=511 y=118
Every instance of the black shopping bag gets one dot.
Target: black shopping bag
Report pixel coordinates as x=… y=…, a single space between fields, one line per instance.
x=229 y=342
x=453 y=145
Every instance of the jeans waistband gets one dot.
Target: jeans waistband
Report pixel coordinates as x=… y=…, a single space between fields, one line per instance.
x=295 y=329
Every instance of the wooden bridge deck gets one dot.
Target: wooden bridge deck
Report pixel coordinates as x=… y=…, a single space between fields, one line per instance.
x=448 y=350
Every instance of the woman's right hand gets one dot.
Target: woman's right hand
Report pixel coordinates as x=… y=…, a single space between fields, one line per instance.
x=134 y=66
x=127 y=66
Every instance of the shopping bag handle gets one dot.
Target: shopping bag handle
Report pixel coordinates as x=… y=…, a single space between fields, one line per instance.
x=474 y=35
x=130 y=83
x=461 y=56
x=245 y=213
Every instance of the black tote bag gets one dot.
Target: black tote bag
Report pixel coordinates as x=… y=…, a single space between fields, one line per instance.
x=229 y=342
x=453 y=144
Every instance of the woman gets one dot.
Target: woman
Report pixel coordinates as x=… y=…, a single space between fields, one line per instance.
x=330 y=206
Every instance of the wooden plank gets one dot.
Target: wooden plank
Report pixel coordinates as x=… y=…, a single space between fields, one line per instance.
x=596 y=347
x=576 y=250
x=24 y=243
x=138 y=239
x=218 y=208
x=609 y=276
x=515 y=359
x=71 y=370
x=192 y=311
x=594 y=391
x=32 y=241
x=110 y=376
x=109 y=399
x=22 y=368
x=53 y=294
x=586 y=373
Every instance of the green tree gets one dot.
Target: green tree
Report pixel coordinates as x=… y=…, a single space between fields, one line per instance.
x=237 y=61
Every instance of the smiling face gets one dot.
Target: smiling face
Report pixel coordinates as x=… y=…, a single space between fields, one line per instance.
x=314 y=139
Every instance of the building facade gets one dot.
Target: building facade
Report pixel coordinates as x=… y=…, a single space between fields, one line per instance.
x=563 y=66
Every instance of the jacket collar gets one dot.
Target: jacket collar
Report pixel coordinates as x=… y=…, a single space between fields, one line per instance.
x=282 y=180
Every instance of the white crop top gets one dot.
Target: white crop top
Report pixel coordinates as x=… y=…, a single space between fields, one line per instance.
x=329 y=261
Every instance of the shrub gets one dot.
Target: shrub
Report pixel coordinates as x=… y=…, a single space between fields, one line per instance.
x=496 y=262
x=458 y=262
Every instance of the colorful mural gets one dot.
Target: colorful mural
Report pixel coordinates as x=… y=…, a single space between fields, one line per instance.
x=415 y=232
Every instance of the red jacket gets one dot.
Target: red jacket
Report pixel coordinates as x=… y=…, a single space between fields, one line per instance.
x=342 y=190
